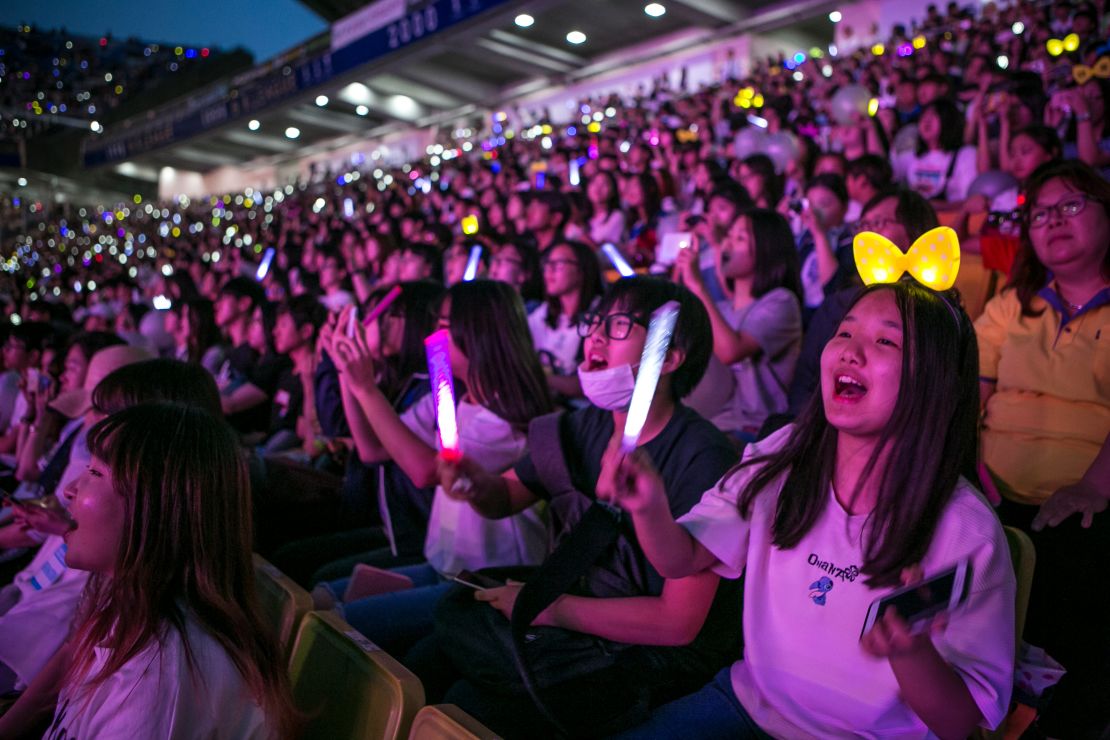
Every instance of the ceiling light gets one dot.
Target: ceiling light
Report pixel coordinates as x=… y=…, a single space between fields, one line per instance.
x=362 y=110
x=321 y=100
x=835 y=16
x=654 y=9
x=292 y=132
x=524 y=20
x=254 y=125
x=576 y=37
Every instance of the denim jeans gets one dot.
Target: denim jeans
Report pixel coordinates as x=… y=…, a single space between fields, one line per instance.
x=396 y=620
x=713 y=712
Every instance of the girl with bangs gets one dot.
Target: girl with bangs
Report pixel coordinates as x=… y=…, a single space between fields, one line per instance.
x=862 y=495
x=372 y=492
x=169 y=644
x=500 y=388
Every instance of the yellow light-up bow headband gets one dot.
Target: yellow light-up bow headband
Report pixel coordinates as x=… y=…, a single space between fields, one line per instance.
x=1081 y=73
x=933 y=260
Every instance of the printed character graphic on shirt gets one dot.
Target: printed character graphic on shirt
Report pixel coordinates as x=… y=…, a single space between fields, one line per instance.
x=819 y=588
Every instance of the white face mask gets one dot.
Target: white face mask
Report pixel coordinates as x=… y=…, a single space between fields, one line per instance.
x=610 y=389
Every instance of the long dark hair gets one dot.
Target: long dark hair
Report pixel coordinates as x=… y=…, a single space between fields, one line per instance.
x=776 y=261
x=203 y=332
x=931 y=438
x=1030 y=274
x=185 y=552
x=591 y=281
x=614 y=202
x=416 y=306
x=489 y=326
x=773 y=183
x=951 y=126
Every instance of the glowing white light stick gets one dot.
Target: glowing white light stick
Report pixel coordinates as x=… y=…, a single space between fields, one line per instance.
x=472 y=263
x=437 y=347
x=264 y=266
x=618 y=260
x=651 y=367
x=383 y=304
x=573 y=175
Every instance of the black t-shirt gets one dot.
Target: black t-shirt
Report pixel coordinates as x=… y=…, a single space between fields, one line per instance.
x=263 y=373
x=691 y=455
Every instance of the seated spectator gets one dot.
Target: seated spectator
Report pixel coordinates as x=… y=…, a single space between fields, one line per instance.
x=419 y=262
x=825 y=246
x=252 y=381
x=171 y=640
x=759 y=177
x=1046 y=428
x=643 y=200
x=723 y=205
x=196 y=336
x=38 y=607
x=606 y=219
x=293 y=416
x=848 y=490
x=866 y=177
x=663 y=634
x=941 y=168
x=572 y=282
x=501 y=389
x=384 y=515
x=22 y=354
x=518 y=264
x=757 y=330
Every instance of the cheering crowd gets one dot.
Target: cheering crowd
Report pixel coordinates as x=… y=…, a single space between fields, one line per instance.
x=820 y=436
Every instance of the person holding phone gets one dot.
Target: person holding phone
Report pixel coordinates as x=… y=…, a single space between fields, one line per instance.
x=501 y=389
x=826 y=516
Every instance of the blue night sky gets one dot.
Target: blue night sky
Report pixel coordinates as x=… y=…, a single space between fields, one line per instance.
x=263 y=27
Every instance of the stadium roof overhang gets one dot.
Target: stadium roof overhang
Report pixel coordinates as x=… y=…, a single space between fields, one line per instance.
x=422 y=67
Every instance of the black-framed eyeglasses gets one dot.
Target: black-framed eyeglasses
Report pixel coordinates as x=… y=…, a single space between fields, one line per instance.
x=617 y=325
x=1067 y=207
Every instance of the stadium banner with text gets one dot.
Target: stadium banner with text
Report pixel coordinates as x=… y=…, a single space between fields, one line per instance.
x=280 y=84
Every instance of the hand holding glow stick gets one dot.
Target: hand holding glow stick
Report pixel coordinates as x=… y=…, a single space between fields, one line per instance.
x=658 y=340
x=386 y=301
x=472 y=263
x=618 y=260
x=437 y=347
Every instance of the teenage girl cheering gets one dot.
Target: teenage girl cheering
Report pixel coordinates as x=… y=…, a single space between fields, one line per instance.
x=862 y=495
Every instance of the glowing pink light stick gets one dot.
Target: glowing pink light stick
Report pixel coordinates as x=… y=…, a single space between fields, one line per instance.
x=658 y=340
x=437 y=347
x=383 y=304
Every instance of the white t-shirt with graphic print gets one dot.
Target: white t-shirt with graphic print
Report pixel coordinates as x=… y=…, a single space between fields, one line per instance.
x=804 y=673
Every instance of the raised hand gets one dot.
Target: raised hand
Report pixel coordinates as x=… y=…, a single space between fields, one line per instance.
x=352 y=354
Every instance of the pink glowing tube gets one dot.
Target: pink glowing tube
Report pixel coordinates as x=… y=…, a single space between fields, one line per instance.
x=437 y=346
x=383 y=304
